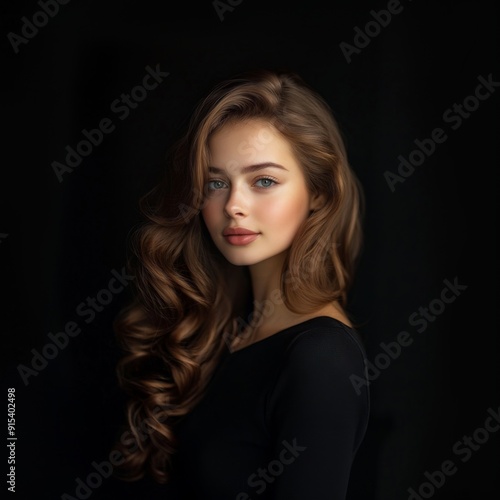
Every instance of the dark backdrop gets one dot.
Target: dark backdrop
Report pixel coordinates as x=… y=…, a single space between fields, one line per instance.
x=60 y=241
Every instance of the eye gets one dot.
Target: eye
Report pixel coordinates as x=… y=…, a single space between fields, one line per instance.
x=267 y=182
x=215 y=185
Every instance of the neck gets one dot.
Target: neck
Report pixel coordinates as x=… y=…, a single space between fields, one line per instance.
x=265 y=277
x=268 y=307
x=270 y=314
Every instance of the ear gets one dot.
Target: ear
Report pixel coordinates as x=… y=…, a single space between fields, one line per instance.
x=316 y=202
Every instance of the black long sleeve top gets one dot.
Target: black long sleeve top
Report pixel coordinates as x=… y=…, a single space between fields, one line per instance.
x=281 y=419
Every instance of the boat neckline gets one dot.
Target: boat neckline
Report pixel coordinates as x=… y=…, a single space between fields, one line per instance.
x=285 y=330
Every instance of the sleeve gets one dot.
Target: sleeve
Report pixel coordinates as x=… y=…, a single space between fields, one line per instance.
x=317 y=417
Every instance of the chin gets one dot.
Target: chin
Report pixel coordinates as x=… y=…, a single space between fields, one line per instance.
x=241 y=260
x=250 y=257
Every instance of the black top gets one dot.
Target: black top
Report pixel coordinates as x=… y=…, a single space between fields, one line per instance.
x=281 y=419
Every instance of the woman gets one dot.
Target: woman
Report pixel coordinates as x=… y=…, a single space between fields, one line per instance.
x=239 y=353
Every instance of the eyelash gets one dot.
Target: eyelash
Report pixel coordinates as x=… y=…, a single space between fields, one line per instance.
x=269 y=178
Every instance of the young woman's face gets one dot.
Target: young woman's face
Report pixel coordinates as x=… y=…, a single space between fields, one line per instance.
x=255 y=184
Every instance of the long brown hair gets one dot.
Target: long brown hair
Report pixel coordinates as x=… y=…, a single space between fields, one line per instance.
x=188 y=298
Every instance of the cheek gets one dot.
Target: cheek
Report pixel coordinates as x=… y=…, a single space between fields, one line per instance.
x=286 y=211
x=210 y=214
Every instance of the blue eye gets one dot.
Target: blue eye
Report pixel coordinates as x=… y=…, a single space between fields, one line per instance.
x=268 y=182
x=216 y=183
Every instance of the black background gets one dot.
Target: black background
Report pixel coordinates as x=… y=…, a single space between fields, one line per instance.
x=60 y=240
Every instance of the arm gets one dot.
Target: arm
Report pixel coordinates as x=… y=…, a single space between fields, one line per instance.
x=316 y=417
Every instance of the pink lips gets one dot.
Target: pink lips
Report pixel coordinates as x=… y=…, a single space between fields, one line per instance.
x=239 y=235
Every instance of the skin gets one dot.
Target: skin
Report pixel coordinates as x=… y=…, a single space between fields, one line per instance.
x=275 y=208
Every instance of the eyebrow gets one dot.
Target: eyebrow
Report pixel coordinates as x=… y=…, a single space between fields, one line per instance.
x=250 y=168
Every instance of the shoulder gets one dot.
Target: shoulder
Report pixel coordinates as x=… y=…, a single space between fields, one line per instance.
x=326 y=341
x=321 y=378
x=323 y=354
x=324 y=360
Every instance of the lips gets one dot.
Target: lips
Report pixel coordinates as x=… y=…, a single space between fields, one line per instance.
x=239 y=236
x=233 y=231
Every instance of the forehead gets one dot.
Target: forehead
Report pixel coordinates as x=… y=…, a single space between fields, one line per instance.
x=256 y=131
x=238 y=144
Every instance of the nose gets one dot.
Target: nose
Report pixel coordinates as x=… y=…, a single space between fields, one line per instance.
x=236 y=204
